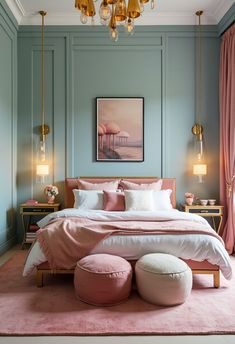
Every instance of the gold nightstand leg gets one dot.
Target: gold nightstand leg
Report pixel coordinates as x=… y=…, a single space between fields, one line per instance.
x=220 y=223
x=213 y=221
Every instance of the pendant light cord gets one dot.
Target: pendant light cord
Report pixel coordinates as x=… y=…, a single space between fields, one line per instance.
x=199 y=71
x=43 y=115
x=42 y=77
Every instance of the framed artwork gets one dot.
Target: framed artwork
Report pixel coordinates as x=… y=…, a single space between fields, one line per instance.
x=120 y=129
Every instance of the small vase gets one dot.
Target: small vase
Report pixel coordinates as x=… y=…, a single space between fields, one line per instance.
x=50 y=199
x=189 y=200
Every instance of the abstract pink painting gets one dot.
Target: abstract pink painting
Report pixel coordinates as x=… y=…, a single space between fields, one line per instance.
x=120 y=129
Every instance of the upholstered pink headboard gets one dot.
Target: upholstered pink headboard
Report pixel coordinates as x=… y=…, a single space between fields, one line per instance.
x=72 y=183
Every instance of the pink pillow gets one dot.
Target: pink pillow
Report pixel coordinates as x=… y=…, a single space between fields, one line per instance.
x=112 y=185
x=125 y=185
x=114 y=201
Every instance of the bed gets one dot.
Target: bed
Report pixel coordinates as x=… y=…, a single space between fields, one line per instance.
x=200 y=247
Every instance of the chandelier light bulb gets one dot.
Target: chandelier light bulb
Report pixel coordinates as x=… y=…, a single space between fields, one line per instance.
x=141 y=7
x=114 y=35
x=104 y=11
x=130 y=27
x=83 y=18
x=152 y=4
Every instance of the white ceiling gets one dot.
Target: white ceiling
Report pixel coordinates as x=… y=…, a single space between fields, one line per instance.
x=167 y=12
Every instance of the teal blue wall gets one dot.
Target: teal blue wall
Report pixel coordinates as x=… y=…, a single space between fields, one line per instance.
x=158 y=63
x=8 y=114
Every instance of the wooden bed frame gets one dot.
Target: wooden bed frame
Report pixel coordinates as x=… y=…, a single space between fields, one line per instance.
x=44 y=268
x=168 y=183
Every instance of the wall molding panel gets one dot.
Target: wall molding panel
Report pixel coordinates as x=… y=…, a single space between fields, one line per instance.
x=6 y=13
x=87 y=65
x=30 y=112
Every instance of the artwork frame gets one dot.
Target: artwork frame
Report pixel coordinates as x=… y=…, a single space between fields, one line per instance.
x=120 y=129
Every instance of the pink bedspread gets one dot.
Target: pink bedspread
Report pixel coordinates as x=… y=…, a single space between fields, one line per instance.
x=65 y=240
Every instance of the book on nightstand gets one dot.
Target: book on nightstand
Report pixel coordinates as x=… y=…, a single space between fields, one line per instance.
x=33 y=227
x=31 y=232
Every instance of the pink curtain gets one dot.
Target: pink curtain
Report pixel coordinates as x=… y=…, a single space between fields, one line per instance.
x=227 y=136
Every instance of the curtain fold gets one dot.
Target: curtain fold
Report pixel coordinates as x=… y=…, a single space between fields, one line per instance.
x=227 y=136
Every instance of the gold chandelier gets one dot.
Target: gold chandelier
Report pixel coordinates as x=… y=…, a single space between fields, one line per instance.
x=112 y=13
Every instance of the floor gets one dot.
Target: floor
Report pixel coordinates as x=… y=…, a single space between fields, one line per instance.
x=229 y=339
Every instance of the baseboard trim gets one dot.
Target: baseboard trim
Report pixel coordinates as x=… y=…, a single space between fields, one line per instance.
x=7 y=245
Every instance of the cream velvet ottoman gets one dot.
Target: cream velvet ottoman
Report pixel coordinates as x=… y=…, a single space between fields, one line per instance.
x=163 y=279
x=102 y=279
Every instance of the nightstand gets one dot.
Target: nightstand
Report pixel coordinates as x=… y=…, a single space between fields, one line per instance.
x=29 y=212
x=212 y=211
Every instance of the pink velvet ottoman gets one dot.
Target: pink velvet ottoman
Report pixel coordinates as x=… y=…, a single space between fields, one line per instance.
x=102 y=279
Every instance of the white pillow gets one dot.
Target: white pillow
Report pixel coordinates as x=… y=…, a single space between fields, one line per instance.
x=139 y=200
x=88 y=199
x=161 y=199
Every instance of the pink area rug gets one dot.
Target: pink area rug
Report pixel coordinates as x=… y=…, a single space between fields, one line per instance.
x=54 y=310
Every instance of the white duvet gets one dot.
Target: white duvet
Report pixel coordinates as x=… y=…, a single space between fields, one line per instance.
x=197 y=247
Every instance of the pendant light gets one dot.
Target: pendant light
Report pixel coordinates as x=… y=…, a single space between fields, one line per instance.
x=199 y=166
x=42 y=166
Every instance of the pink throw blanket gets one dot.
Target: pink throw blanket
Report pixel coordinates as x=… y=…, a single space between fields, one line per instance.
x=65 y=240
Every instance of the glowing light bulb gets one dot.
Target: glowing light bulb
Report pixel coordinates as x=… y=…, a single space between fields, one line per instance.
x=152 y=4
x=129 y=27
x=114 y=34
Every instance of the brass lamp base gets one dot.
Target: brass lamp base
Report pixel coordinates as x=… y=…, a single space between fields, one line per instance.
x=44 y=130
x=197 y=130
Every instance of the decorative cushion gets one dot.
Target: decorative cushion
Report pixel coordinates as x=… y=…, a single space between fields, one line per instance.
x=114 y=201
x=112 y=185
x=126 y=185
x=162 y=199
x=163 y=279
x=139 y=200
x=88 y=199
x=102 y=279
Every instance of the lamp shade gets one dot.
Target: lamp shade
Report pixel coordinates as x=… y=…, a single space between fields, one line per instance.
x=200 y=169
x=42 y=170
